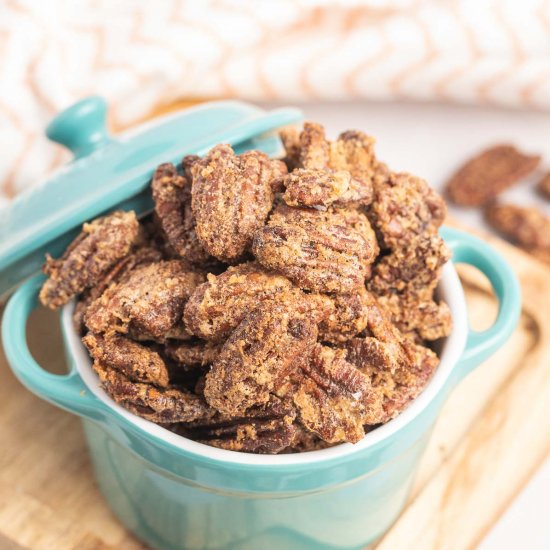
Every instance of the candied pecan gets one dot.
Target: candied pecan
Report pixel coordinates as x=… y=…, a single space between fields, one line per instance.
x=315 y=188
x=404 y=207
x=489 y=173
x=101 y=243
x=404 y=282
x=141 y=256
x=219 y=305
x=314 y=148
x=543 y=186
x=134 y=360
x=231 y=199
x=259 y=355
x=172 y=197
x=334 y=399
x=150 y=299
x=319 y=251
x=348 y=317
x=266 y=429
x=426 y=319
x=353 y=152
x=359 y=222
x=161 y=405
x=527 y=227
x=397 y=367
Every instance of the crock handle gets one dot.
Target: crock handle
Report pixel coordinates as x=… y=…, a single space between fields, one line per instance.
x=481 y=345
x=66 y=391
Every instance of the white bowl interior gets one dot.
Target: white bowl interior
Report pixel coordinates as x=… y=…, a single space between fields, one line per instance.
x=450 y=290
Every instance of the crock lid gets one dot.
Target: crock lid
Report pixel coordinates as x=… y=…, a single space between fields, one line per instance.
x=108 y=172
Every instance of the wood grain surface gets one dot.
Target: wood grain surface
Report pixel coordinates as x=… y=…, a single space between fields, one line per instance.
x=492 y=435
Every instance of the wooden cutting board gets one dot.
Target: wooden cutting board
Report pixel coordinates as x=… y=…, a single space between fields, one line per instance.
x=493 y=433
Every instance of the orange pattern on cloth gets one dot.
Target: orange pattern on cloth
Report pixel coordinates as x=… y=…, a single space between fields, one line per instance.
x=142 y=55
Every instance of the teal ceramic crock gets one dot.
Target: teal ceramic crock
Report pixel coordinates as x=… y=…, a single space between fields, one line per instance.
x=175 y=494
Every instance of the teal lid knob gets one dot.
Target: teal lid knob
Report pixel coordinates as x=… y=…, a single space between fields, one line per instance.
x=81 y=128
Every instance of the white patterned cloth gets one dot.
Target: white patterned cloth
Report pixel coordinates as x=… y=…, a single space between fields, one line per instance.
x=140 y=54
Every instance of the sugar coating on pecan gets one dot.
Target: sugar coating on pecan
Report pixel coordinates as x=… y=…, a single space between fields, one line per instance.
x=347 y=318
x=404 y=207
x=489 y=173
x=315 y=188
x=318 y=251
x=136 y=361
x=145 y=255
x=260 y=354
x=149 y=299
x=266 y=429
x=398 y=368
x=161 y=405
x=172 y=197
x=231 y=198
x=352 y=152
x=525 y=226
x=101 y=243
x=334 y=399
x=405 y=281
x=217 y=306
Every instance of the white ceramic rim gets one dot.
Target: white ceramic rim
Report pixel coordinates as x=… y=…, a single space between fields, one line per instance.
x=450 y=290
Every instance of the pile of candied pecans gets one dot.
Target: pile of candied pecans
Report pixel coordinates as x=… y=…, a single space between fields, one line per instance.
x=266 y=306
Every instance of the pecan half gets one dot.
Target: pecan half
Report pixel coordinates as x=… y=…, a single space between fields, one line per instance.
x=489 y=173
x=315 y=188
x=404 y=207
x=172 y=197
x=101 y=243
x=231 y=199
x=319 y=251
x=141 y=256
x=150 y=300
x=219 y=305
x=134 y=360
x=352 y=152
x=527 y=227
x=260 y=354
x=334 y=399
x=161 y=405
